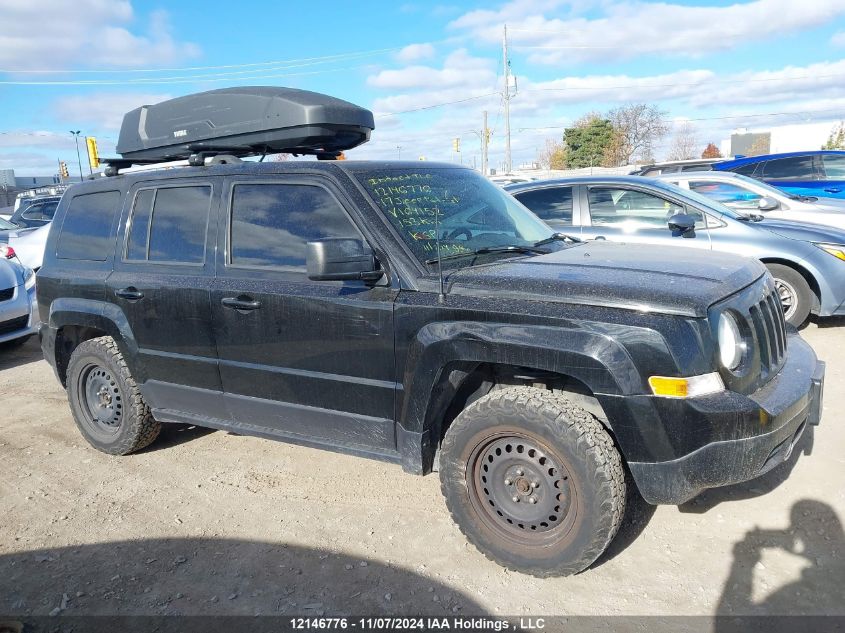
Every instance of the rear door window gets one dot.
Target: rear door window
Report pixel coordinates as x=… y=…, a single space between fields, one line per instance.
x=550 y=204
x=87 y=227
x=169 y=224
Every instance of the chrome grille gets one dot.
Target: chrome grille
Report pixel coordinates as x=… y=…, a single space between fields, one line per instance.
x=7 y=294
x=769 y=327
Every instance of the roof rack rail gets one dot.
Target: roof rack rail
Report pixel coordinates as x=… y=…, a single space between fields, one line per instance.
x=239 y=122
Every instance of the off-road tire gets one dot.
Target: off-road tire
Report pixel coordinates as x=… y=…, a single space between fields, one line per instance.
x=133 y=425
x=801 y=289
x=584 y=470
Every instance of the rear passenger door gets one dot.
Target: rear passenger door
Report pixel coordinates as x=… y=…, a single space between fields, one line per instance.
x=164 y=269
x=300 y=358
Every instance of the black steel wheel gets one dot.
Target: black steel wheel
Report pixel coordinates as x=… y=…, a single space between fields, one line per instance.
x=107 y=406
x=101 y=397
x=525 y=491
x=533 y=481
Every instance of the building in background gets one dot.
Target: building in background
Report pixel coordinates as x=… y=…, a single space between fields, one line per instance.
x=774 y=140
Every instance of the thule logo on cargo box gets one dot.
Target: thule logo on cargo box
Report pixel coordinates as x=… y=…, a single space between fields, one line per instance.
x=179 y=133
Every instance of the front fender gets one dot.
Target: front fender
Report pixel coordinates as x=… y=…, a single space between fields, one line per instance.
x=592 y=357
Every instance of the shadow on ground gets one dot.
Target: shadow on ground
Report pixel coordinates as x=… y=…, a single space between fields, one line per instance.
x=174 y=435
x=765 y=484
x=14 y=354
x=210 y=576
x=815 y=534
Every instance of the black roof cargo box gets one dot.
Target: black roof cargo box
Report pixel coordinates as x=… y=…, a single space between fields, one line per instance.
x=243 y=121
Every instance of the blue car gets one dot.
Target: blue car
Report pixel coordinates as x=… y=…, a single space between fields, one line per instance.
x=818 y=173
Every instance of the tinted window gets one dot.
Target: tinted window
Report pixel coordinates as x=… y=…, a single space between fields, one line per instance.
x=796 y=168
x=87 y=226
x=177 y=232
x=728 y=194
x=271 y=223
x=554 y=204
x=834 y=167
x=139 y=228
x=627 y=208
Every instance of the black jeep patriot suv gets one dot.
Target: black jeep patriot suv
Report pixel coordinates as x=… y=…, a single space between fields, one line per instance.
x=302 y=301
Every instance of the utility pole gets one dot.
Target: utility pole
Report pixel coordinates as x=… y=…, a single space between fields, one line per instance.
x=485 y=139
x=78 y=159
x=398 y=152
x=507 y=97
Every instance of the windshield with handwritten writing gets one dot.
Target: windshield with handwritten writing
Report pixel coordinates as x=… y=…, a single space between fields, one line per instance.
x=470 y=212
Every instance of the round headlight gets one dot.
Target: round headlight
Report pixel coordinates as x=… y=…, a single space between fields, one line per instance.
x=731 y=345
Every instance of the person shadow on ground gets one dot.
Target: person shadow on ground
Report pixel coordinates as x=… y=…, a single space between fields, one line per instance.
x=815 y=534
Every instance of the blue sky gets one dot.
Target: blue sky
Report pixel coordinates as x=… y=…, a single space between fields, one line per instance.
x=719 y=65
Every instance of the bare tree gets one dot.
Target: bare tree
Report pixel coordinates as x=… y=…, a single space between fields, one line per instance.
x=684 y=143
x=553 y=155
x=636 y=129
x=836 y=140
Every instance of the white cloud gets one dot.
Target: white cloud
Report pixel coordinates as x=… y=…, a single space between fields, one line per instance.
x=460 y=70
x=93 y=33
x=102 y=110
x=415 y=52
x=631 y=28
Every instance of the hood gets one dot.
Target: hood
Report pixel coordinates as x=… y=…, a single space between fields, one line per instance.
x=10 y=276
x=834 y=205
x=802 y=231
x=670 y=280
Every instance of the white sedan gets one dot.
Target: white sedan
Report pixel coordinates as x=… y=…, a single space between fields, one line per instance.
x=747 y=195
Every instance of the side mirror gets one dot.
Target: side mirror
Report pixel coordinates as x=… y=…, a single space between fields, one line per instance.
x=682 y=224
x=341 y=259
x=767 y=204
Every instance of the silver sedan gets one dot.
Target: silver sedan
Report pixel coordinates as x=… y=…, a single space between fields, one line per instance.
x=18 y=308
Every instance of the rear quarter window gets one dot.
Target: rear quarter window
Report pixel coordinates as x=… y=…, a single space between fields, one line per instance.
x=87 y=226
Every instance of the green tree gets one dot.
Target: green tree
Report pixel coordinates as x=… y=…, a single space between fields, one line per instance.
x=587 y=142
x=836 y=140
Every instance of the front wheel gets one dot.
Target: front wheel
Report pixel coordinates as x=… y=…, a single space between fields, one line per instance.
x=794 y=293
x=533 y=481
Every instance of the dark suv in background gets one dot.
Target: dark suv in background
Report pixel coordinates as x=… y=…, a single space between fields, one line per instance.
x=418 y=314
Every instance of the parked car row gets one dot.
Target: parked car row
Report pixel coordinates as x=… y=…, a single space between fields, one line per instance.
x=22 y=241
x=804 y=258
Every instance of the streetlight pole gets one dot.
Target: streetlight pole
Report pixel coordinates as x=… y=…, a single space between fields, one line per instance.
x=78 y=159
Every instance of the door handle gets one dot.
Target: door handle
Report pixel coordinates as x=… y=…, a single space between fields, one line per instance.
x=131 y=293
x=833 y=190
x=238 y=303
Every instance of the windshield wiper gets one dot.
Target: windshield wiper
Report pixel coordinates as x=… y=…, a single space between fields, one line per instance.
x=487 y=250
x=559 y=237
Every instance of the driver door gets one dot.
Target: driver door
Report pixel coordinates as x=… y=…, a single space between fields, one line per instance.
x=634 y=216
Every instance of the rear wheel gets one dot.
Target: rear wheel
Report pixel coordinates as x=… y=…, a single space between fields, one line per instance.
x=106 y=403
x=533 y=481
x=794 y=293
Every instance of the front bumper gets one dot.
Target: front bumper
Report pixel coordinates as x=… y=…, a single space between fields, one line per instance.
x=765 y=425
x=19 y=315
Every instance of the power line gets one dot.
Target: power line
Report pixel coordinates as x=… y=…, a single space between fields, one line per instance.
x=321 y=59
x=436 y=105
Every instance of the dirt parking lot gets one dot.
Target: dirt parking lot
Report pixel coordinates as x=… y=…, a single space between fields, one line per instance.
x=205 y=522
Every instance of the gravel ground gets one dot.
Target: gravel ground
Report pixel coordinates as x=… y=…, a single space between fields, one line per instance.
x=204 y=522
